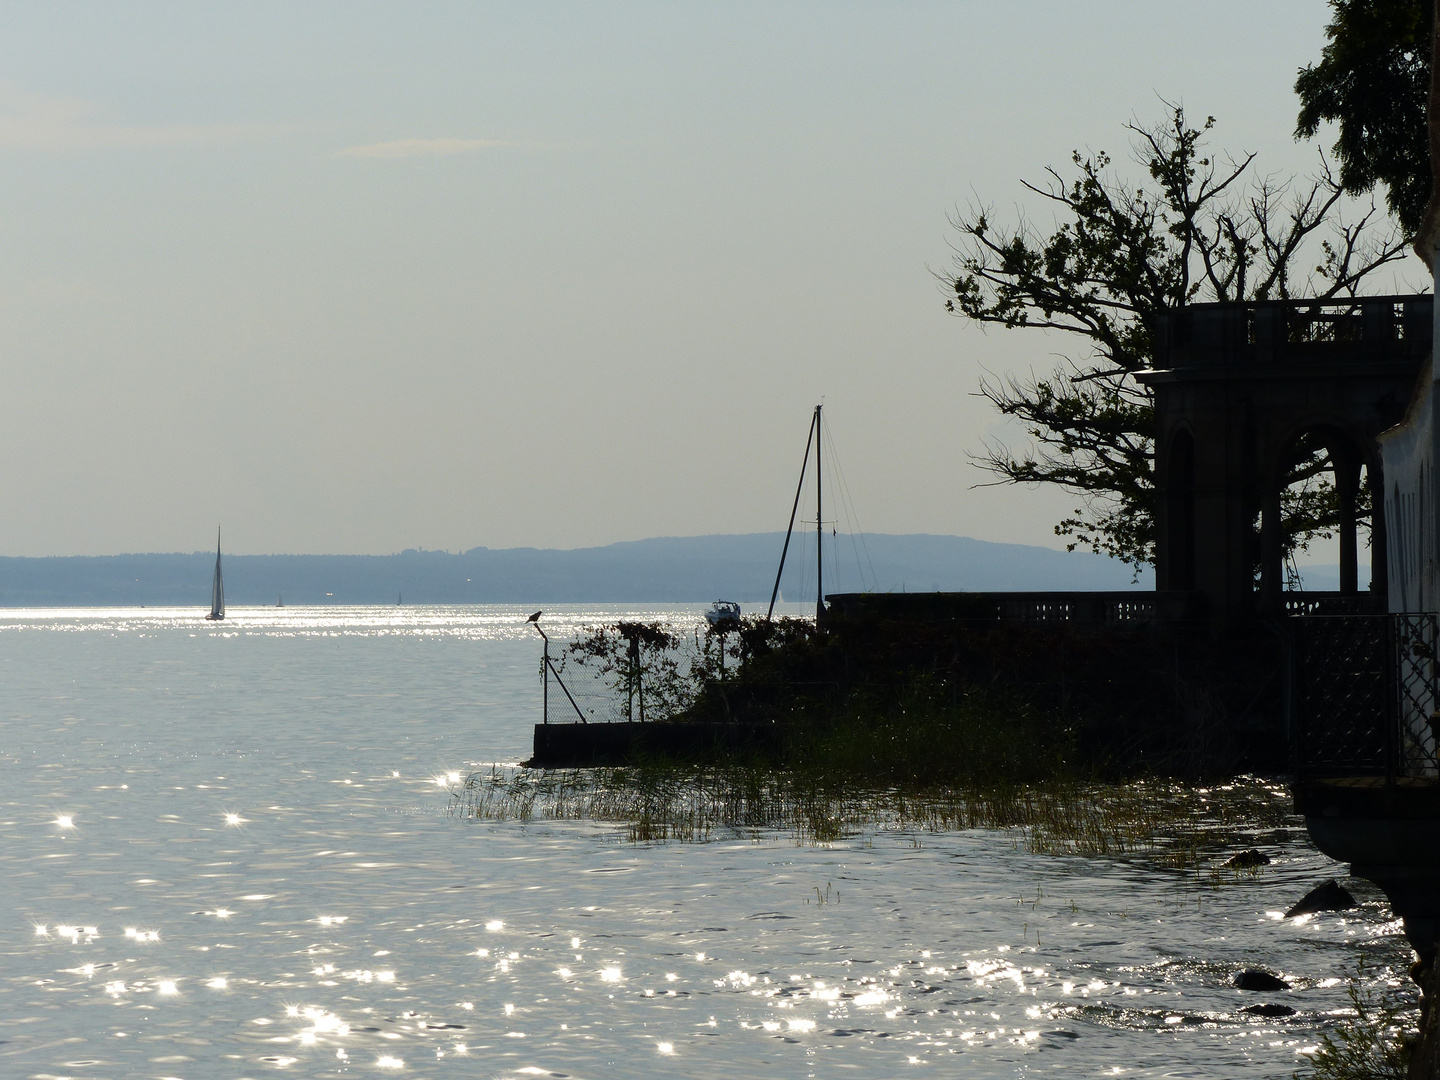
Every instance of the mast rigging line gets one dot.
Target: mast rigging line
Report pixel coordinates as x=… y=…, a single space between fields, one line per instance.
x=852 y=518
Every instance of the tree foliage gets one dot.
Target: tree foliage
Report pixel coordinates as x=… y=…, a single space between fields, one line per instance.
x=1202 y=227
x=1372 y=81
x=636 y=658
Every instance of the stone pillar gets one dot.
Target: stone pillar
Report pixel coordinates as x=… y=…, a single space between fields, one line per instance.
x=1175 y=517
x=1272 y=568
x=1379 y=567
x=1347 y=488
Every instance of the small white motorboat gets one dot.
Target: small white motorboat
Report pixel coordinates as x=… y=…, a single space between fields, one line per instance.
x=723 y=615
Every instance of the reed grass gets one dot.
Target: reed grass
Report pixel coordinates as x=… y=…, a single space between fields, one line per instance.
x=1176 y=825
x=1375 y=1041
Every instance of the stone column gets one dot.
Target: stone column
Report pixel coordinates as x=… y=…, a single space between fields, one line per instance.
x=1347 y=488
x=1272 y=569
x=1379 y=567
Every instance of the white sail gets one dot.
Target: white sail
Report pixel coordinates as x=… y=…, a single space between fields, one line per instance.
x=217 y=587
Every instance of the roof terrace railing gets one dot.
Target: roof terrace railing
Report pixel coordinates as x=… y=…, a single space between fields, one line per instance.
x=1354 y=329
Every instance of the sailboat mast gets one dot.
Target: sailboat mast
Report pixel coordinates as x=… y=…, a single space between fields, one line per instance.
x=819 y=530
x=799 y=487
x=218 y=600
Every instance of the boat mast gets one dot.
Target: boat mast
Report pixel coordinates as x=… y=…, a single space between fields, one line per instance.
x=799 y=487
x=819 y=530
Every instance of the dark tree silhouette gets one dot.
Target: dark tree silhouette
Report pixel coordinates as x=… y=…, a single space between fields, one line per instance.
x=1203 y=227
x=1372 y=81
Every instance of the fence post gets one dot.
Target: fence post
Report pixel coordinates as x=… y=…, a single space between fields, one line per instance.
x=1395 y=677
x=1294 y=669
x=630 y=681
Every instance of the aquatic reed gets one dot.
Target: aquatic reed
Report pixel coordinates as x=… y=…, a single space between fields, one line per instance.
x=1373 y=1043
x=1178 y=826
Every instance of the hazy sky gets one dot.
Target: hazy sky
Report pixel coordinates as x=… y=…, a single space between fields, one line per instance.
x=361 y=277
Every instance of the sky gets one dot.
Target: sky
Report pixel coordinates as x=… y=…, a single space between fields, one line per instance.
x=353 y=278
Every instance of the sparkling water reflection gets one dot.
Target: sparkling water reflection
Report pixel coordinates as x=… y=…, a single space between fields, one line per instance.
x=225 y=853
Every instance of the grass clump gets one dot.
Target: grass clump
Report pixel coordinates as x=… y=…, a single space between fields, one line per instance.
x=1373 y=1043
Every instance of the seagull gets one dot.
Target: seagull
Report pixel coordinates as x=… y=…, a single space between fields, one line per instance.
x=535 y=617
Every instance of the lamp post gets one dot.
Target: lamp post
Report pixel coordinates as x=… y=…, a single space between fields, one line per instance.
x=534 y=620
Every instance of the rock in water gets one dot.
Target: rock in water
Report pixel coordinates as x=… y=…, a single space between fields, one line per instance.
x=1268 y=1010
x=1248 y=859
x=1331 y=896
x=1250 y=979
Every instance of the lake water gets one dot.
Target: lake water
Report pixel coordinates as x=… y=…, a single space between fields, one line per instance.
x=225 y=852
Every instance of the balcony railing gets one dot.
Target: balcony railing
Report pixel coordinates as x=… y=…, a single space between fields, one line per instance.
x=1333 y=603
x=1364 y=329
x=1133 y=608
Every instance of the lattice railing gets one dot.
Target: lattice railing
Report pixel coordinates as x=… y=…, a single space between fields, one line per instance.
x=1362 y=695
x=1415 y=692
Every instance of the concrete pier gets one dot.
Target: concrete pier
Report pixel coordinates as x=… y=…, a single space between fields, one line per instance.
x=578 y=746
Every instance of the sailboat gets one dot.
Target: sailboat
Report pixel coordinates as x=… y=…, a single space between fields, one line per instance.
x=217 y=587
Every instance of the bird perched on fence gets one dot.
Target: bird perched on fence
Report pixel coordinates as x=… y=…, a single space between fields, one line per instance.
x=535 y=617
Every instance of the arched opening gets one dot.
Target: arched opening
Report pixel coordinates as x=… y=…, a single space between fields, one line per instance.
x=1320 y=507
x=1180 y=513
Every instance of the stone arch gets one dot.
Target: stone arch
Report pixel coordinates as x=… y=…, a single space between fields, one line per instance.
x=1348 y=454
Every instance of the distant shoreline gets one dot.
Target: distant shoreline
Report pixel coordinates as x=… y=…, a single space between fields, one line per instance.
x=660 y=570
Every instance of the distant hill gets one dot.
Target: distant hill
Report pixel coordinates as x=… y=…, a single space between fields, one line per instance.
x=661 y=570
x=1320 y=578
